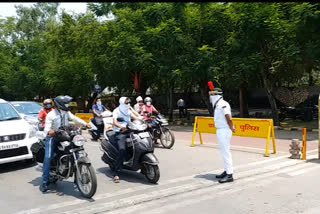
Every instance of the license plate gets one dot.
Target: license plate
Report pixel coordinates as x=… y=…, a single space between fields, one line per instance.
x=144 y=134
x=11 y=146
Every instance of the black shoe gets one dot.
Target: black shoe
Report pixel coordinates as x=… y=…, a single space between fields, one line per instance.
x=222 y=175
x=43 y=187
x=226 y=179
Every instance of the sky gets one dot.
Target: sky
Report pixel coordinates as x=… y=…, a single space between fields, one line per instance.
x=8 y=9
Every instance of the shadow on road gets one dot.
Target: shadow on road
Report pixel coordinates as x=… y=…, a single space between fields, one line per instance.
x=14 y=166
x=210 y=177
x=126 y=175
x=314 y=160
x=61 y=188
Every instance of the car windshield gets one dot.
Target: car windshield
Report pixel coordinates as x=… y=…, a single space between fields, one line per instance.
x=27 y=107
x=8 y=113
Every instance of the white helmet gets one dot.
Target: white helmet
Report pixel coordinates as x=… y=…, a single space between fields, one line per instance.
x=139 y=99
x=147 y=99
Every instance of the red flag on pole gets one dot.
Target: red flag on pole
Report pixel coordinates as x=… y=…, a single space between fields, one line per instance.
x=210 y=85
x=136 y=83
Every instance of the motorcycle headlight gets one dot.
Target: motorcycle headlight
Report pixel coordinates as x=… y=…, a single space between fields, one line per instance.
x=78 y=140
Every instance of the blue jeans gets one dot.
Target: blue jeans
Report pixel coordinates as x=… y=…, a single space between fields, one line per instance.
x=152 y=123
x=49 y=151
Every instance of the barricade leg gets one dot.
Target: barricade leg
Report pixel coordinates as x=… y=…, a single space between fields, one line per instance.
x=267 y=144
x=201 y=142
x=273 y=140
x=194 y=131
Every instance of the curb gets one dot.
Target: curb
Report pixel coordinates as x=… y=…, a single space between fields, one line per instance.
x=179 y=123
x=294 y=129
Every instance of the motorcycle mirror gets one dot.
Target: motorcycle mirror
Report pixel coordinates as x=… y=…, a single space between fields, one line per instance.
x=120 y=119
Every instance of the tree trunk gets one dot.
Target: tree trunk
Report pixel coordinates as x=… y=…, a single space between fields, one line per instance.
x=272 y=101
x=243 y=101
x=205 y=98
x=171 y=103
x=90 y=102
x=310 y=77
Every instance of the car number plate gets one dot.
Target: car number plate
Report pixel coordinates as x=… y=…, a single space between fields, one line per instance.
x=11 y=146
x=144 y=134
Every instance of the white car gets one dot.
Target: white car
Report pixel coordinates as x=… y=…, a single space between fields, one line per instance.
x=16 y=135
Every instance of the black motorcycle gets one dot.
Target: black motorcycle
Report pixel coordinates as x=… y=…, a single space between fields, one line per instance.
x=161 y=131
x=139 y=150
x=69 y=159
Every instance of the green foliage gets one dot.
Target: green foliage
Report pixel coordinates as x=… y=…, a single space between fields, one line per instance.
x=172 y=45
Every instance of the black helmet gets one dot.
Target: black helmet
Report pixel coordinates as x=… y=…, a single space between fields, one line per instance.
x=61 y=102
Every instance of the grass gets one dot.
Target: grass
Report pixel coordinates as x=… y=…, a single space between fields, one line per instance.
x=289 y=123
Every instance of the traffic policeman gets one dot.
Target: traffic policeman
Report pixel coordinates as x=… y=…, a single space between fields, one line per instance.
x=225 y=127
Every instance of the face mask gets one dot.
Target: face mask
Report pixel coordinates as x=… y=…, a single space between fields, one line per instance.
x=48 y=105
x=148 y=103
x=99 y=103
x=214 y=98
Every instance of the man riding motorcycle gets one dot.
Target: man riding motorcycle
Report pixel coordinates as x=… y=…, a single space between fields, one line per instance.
x=59 y=117
x=47 y=103
x=124 y=112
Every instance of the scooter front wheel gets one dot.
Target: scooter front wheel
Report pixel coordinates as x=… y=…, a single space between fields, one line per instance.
x=167 y=138
x=152 y=173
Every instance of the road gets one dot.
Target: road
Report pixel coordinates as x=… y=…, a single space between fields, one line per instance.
x=274 y=184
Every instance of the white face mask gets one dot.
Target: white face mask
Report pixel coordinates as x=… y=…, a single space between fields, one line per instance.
x=148 y=103
x=214 y=99
x=99 y=103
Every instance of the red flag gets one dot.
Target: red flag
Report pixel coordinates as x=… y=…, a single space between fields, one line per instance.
x=136 y=84
x=210 y=85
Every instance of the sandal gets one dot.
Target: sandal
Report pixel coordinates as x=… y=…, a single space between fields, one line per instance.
x=116 y=179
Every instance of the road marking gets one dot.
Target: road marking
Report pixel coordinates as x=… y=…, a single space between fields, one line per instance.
x=204 y=194
x=195 y=185
x=305 y=170
x=146 y=187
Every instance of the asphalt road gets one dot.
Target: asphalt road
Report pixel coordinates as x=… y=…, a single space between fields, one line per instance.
x=274 y=184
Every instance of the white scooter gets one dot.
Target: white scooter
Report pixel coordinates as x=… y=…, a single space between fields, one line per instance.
x=107 y=122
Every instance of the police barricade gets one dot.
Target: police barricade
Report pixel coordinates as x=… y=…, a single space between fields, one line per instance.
x=85 y=116
x=260 y=128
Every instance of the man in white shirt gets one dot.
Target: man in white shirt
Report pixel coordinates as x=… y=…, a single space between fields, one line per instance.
x=58 y=117
x=181 y=107
x=225 y=127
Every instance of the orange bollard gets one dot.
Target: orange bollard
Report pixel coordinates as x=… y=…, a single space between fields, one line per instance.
x=304 y=143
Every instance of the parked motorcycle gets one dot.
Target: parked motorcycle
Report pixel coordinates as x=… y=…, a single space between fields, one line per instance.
x=161 y=131
x=69 y=159
x=139 y=150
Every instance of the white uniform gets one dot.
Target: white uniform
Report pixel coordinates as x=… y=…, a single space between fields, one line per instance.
x=55 y=119
x=224 y=133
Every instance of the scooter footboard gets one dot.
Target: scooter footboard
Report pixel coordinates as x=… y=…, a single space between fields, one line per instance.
x=149 y=158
